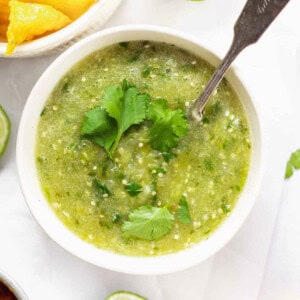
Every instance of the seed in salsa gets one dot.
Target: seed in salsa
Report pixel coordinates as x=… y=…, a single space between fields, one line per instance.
x=122 y=164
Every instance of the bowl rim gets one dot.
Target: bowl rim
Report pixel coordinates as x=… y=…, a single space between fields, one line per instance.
x=13 y=285
x=76 y=28
x=117 y=262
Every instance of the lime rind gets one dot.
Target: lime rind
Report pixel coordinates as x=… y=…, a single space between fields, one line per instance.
x=124 y=295
x=5 y=127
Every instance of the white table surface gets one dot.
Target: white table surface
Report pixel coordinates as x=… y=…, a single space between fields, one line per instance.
x=262 y=261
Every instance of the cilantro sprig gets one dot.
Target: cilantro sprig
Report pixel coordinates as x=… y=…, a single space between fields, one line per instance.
x=148 y=222
x=120 y=109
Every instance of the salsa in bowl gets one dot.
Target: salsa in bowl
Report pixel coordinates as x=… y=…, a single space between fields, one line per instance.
x=120 y=174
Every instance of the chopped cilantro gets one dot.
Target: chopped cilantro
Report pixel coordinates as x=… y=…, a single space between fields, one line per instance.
x=168 y=156
x=230 y=124
x=238 y=188
x=102 y=188
x=41 y=159
x=168 y=126
x=183 y=211
x=213 y=110
x=154 y=188
x=205 y=120
x=124 y=44
x=208 y=165
x=146 y=71
x=116 y=218
x=161 y=170
x=293 y=163
x=136 y=56
x=227 y=144
x=65 y=88
x=148 y=222
x=133 y=188
x=43 y=111
x=225 y=207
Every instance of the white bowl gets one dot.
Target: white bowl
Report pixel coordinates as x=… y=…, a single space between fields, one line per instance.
x=96 y=16
x=13 y=286
x=31 y=186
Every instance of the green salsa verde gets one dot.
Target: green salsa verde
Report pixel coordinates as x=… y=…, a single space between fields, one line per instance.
x=93 y=195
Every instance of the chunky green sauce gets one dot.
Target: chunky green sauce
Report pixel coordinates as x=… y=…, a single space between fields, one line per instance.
x=210 y=167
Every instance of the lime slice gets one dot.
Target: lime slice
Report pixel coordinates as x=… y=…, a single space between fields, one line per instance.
x=123 y=295
x=4 y=130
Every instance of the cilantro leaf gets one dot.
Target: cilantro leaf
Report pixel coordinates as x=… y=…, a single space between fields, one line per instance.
x=105 y=140
x=120 y=108
x=127 y=108
x=183 y=211
x=96 y=121
x=293 y=163
x=157 y=110
x=168 y=126
x=148 y=222
x=99 y=127
x=165 y=133
x=133 y=188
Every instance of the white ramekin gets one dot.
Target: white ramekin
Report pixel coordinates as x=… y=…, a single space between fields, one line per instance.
x=13 y=286
x=31 y=186
x=97 y=15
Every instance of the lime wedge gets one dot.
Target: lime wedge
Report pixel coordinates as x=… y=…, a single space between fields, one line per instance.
x=4 y=130
x=123 y=295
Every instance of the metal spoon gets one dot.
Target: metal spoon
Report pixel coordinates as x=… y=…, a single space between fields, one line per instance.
x=254 y=19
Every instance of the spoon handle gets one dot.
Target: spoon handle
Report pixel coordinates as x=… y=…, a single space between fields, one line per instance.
x=254 y=19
